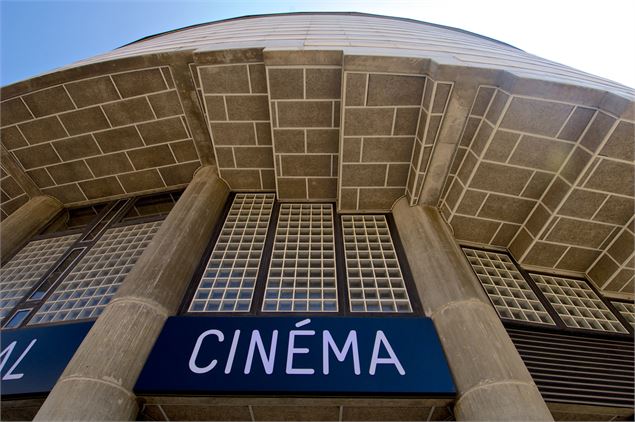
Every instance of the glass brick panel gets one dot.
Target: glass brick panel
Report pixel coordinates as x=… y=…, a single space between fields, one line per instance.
x=577 y=304
x=228 y=283
x=302 y=273
x=375 y=281
x=627 y=310
x=20 y=274
x=95 y=279
x=507 y=289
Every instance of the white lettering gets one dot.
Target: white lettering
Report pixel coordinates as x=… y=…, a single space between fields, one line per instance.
x=267 y=361
x=197 y=347
x=10 y=375
x=232 y=352
x=340 y=355
x=6 y=352
x=380 y=338
x=292 y=350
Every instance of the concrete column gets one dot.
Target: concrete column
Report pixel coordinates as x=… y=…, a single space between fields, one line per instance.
x=491 y=378
x=97 y=383
x=26 y=222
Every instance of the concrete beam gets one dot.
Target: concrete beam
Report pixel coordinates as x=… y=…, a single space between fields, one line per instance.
x=179 y=63
x=14 y=169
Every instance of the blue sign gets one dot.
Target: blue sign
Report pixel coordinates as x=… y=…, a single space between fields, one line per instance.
x=33 y=359
x=297 y=355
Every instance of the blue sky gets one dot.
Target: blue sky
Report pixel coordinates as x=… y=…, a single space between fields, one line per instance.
x=39 y=36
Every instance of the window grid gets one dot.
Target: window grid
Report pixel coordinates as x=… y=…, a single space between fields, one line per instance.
x=89 y=287
x=577 y=304
x=375 y=280
x=229 y=279
x=24 y=270
x=506 y=287
x=302 y=276
x=627 y=310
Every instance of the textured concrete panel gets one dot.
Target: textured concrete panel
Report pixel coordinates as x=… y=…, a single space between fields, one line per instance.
x=13 y=111
x=613 y=176
x=12 y=138
x=394 y=90
x=161 y=131
x=108 y=164
x=76 y=147
x=92 y=91
x=130 y=84
x=118 y=139
x=368 y=121
x=305 y=114
x=126 y=112
x=49 y=101
x=46 y=129
x=533 y=116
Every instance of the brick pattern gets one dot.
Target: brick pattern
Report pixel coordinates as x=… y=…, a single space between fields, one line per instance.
x=614 y=268
x=433 y=107
x=380 y=118
x=12 y=196
x=235 y=101
x=552 y=181
x=305 y=107
x=102 y=137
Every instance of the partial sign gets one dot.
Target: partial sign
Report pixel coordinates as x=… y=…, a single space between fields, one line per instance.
x=297 y=355
x=33 y=359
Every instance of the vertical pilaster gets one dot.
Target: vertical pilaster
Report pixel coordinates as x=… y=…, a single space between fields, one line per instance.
x=492 y=380
x=26 y=222
x=97 y=383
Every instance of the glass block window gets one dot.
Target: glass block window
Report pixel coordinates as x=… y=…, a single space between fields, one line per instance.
x=25 y=269
x=506 y=288
x=577 y=304
x=88 y=288
x=229 y=279
x=375 y=281
x=627 y=310
x=302 y=273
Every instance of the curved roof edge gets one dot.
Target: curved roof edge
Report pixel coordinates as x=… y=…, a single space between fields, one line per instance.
x=451 y=28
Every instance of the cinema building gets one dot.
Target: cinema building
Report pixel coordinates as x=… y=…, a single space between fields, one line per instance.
x=317 y=216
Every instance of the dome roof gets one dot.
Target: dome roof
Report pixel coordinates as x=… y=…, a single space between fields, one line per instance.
x=361 y=33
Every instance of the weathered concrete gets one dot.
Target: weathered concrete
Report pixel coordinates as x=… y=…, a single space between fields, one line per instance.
x=449 y=136
x=97 y=383
x=15 y=170
x=26 y=222
x=491 y=378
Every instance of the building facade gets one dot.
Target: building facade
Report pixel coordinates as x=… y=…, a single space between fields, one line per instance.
x=317 y=216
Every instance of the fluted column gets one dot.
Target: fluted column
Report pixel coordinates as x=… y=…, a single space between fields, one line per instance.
x=491 y=378
x=97 y=383
x=26 y=222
